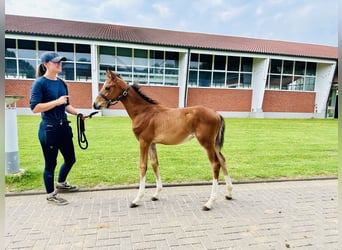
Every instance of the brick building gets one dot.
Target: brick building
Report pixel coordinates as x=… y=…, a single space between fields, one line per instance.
x=237 y=76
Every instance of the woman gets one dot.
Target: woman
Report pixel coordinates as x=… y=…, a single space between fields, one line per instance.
x=49 y=96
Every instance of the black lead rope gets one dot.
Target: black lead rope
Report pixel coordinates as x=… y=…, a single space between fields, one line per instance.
x=82 y=139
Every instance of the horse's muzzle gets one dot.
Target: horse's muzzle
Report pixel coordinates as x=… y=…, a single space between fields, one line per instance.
x=97 y=106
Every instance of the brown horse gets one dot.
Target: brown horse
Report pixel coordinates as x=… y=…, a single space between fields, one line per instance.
x=153 y=123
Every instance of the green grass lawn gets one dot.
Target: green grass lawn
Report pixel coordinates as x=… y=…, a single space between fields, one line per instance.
x=254 y=148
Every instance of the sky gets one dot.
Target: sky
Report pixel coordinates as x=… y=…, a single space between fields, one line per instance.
x=305 y=21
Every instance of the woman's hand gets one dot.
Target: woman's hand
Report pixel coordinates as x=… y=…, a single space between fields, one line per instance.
x=62 y=100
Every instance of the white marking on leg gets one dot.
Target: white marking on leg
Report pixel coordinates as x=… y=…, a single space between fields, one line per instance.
x=141 y=191
x=159 y=187
x=213 y=195
x=229 y=186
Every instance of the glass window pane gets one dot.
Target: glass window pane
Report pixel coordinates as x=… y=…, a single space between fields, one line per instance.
x=299 y=68
x=124 y=56
x=141 y=70
x=27 y=68
x=103 y=69
x=127 y=76
x=245 y=80
x=156 y=79
x=206 y=62
x=232 y=80
x=10 y=48
x=194 y=61
x=68 y=71
x=171 y=60
x=246 y=64
x=276 y=66
x=156 y=70
x=171 y=80
x=123 y=68
x=286 y=82
x=83 y=72
x=274 y=81
x=219 y=79
x=173 y=72
x=67 y=50
x=193 y=78
x=139 y=77
x=45 y=47
x=26 y=49
x=83 y=53
x=204 y=79
x=220 y=62
x=107 y=55
x=311 y=69
x=288 y=67
x=156 y=58
x=297 y=84
x=233 y=63
x=309 y=83
x=11 y=68
x=140 y=57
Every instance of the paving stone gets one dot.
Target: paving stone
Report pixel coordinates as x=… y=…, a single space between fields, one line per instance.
x=272 y=215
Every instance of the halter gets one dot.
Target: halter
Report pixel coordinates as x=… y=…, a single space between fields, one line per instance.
x=116 y=99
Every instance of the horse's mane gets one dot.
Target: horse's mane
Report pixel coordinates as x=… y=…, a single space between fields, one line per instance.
x=137 y=89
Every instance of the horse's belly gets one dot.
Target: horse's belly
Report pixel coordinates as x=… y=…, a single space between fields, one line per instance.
x=173 y=139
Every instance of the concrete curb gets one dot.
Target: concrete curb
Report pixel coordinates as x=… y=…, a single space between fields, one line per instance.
x=136 y=186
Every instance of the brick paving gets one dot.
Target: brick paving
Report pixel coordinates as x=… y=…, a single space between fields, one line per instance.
x=274 y=215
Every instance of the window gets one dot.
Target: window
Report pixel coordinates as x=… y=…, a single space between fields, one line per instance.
x=140 y=61
x=220 y=71
x=152 y=67
x=78 y=64
x=83 y=62
x=23 y=56
x=220 y=62
x=107 y=61
x=291 y=75
x=27 y=58
x=233 y=63
x=10 y=58
x=45 y=47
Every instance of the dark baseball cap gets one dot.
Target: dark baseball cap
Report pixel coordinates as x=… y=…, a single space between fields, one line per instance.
x=51 y=57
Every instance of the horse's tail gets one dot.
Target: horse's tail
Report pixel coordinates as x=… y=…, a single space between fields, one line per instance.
x=220 y=134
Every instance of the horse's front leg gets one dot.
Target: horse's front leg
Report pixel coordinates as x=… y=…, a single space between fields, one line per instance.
x=143 y=168
x=155 y=166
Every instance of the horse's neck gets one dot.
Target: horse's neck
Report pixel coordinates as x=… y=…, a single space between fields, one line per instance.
x=134 y=103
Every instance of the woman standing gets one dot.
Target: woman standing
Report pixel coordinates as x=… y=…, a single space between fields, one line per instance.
x=49 y=96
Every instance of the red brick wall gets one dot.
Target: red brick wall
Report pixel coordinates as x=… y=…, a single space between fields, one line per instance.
x=80 y=93
x=21 y=88
x=230 y=100
x=288 y=101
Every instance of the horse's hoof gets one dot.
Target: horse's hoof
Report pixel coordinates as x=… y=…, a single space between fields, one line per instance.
x=133 y=205
x=154 y=199
x=205 y=208
x=229 y=197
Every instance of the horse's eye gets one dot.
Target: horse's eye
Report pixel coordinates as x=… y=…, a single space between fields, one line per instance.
x=107 y=88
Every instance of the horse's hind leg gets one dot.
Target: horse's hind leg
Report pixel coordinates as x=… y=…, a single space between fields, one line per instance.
x=226 y=176
x=155 y=166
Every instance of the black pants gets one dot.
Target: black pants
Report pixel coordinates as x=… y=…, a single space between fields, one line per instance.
x=56 y=136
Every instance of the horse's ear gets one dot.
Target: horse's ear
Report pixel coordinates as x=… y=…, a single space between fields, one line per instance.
x=110 y=74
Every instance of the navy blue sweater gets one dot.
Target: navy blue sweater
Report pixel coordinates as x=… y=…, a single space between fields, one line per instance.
x=45 y=90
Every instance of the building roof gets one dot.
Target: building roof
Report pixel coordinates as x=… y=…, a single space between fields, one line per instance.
x=37 y=26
